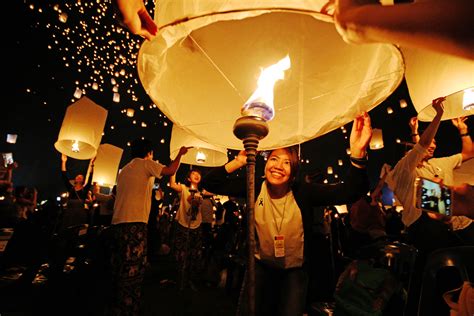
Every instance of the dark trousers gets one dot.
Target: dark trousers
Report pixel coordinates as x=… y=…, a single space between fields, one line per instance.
x=280 y=291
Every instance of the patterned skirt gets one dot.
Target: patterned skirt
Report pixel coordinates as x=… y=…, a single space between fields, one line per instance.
x=188 y=252
x=128 y=246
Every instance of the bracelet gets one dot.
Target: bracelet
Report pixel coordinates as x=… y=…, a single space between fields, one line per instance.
x=465 y=134
x=415 y=134
x=359 y=161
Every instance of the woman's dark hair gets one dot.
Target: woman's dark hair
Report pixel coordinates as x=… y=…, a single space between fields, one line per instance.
x=141 y=147
x=186 y=180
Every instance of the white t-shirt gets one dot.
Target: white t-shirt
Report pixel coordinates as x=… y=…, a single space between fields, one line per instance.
x=183 y=216
x=402 y=181
x=134 y=188
x=279 y=217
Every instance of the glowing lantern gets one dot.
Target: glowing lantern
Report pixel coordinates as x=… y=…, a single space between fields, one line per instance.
x=468 y=99
x=339 y=162
x=107 y=164
x=215 y=50
x=11 y=138
x=116 y=97
x=81 y=130
x=431 y=75
x=330 y=171
x=78 y=93
x=202 y=153
x=403 y=103
x=130 y=112
x=376 y=142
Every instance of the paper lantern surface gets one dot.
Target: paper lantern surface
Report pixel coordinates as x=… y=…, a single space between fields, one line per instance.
x=81 y=130
x=202 y=153
x=205 y=62
x=106 y=165
x=430 y=75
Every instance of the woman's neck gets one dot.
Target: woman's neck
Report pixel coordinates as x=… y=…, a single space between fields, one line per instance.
x=277 y=192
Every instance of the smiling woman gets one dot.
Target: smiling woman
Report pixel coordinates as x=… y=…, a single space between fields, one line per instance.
x=283 y=215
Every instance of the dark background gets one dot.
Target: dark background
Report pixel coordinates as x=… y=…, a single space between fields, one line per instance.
x=45 y=60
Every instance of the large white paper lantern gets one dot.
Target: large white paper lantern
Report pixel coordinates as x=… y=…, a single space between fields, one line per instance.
x=81 y=131
x=202 y=153
x=430 y=75
x=204 y=64
x=106 y=165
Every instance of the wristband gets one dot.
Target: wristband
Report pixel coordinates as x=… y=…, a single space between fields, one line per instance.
x=359 y=161
x=414 y=134
x=465 y=134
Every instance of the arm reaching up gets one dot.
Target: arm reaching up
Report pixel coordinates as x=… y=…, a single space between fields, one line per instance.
x=439 y=25
x=174 y=165
x=467 y=148
x=136 y=18
x=428 y=135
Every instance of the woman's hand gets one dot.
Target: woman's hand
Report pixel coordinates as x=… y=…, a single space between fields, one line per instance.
x=241 y=158
x=360 y=135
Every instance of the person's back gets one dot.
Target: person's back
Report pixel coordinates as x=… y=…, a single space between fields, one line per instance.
x=128 y=236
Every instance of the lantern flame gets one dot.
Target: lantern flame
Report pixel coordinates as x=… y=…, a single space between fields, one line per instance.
x=261 y=102
x=75 y=146
x=200 y=157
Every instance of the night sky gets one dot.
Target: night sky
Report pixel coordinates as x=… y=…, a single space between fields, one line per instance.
x=55 y=48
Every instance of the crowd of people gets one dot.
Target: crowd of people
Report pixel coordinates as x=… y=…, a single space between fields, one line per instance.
x=291 y=211
x=294 y=215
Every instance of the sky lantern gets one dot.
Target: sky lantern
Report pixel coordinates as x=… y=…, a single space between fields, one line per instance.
x=376 y=142
x=205 y=61
x=81 y=130
x=430 y=75
x=202 y=153
x=107 y=164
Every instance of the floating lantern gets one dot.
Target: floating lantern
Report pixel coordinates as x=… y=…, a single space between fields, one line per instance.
x=130 y=112
x=376 y=142
x=81 y=130
x=11 y=138
x=107 y=164
x=116 y=97
x=202 y=153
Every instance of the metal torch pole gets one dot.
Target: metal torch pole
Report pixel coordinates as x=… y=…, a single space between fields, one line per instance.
x=251 y=129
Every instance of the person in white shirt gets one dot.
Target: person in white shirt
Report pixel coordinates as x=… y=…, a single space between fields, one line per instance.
x=129 y=225
x=426 y=231
x=188 y=234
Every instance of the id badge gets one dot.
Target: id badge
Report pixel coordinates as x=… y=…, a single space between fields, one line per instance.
x=279 y=246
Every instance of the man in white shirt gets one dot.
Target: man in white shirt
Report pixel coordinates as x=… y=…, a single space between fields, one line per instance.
x=129 y=225
x=425 y=231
